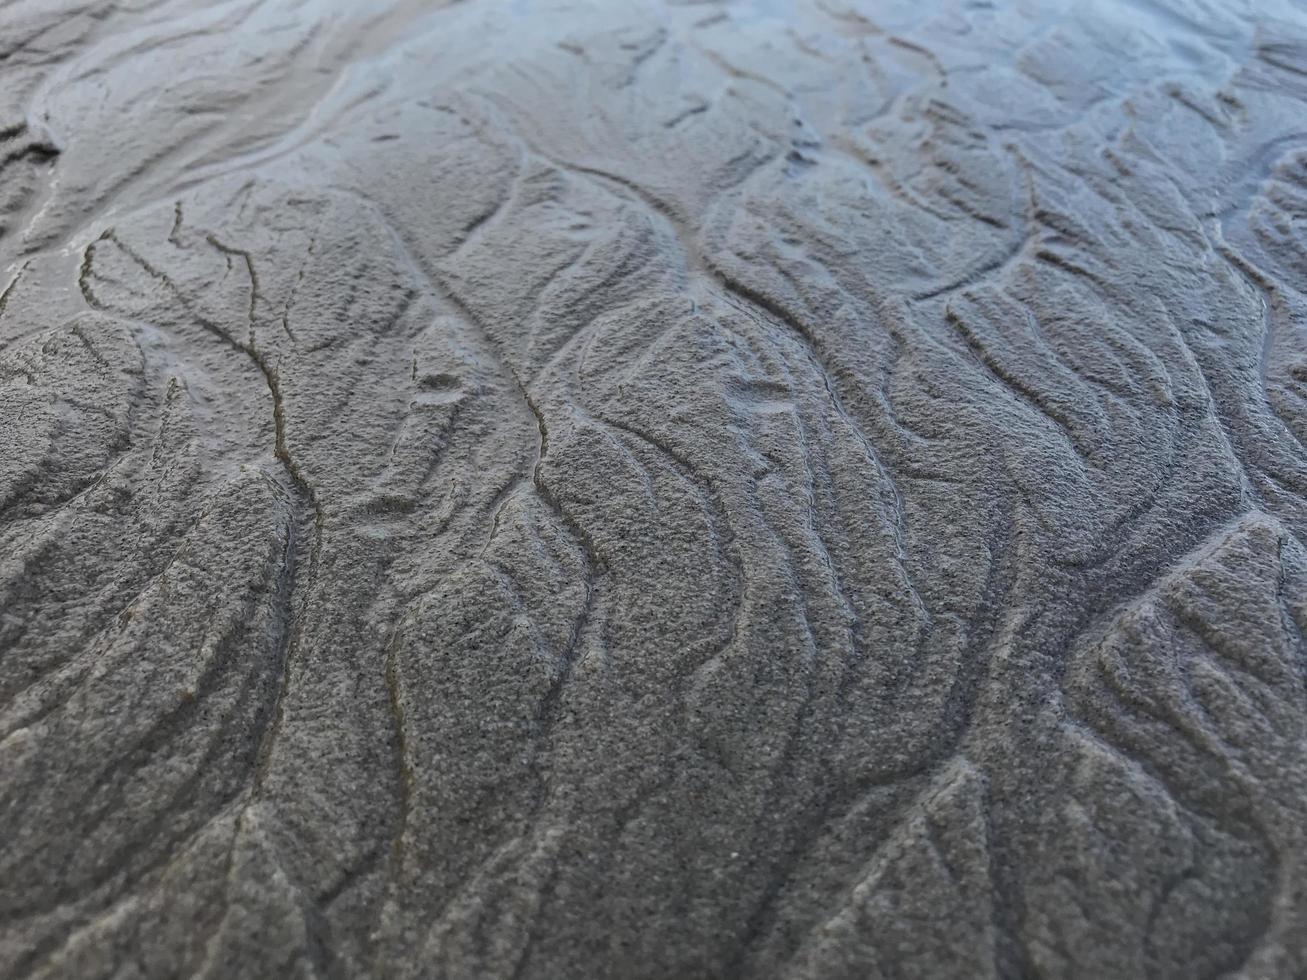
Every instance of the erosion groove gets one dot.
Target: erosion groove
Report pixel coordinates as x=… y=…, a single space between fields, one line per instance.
x=599 y=489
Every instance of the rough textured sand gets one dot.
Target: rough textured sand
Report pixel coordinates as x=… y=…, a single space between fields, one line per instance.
x=549 y=490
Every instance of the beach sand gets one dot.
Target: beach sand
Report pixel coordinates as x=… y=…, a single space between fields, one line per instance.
x=653 y=490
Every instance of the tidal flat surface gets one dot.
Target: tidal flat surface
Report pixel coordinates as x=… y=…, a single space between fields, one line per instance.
x=653 y=490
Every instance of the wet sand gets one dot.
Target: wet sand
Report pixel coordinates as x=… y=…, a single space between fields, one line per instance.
x=671 y=490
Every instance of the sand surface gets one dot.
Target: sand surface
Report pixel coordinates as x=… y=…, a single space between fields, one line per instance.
x=541 y=489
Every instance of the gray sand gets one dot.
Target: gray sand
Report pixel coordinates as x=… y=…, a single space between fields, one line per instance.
x=545 y=490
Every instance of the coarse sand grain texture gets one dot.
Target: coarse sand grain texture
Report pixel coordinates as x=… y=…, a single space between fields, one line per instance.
x=563 y=490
